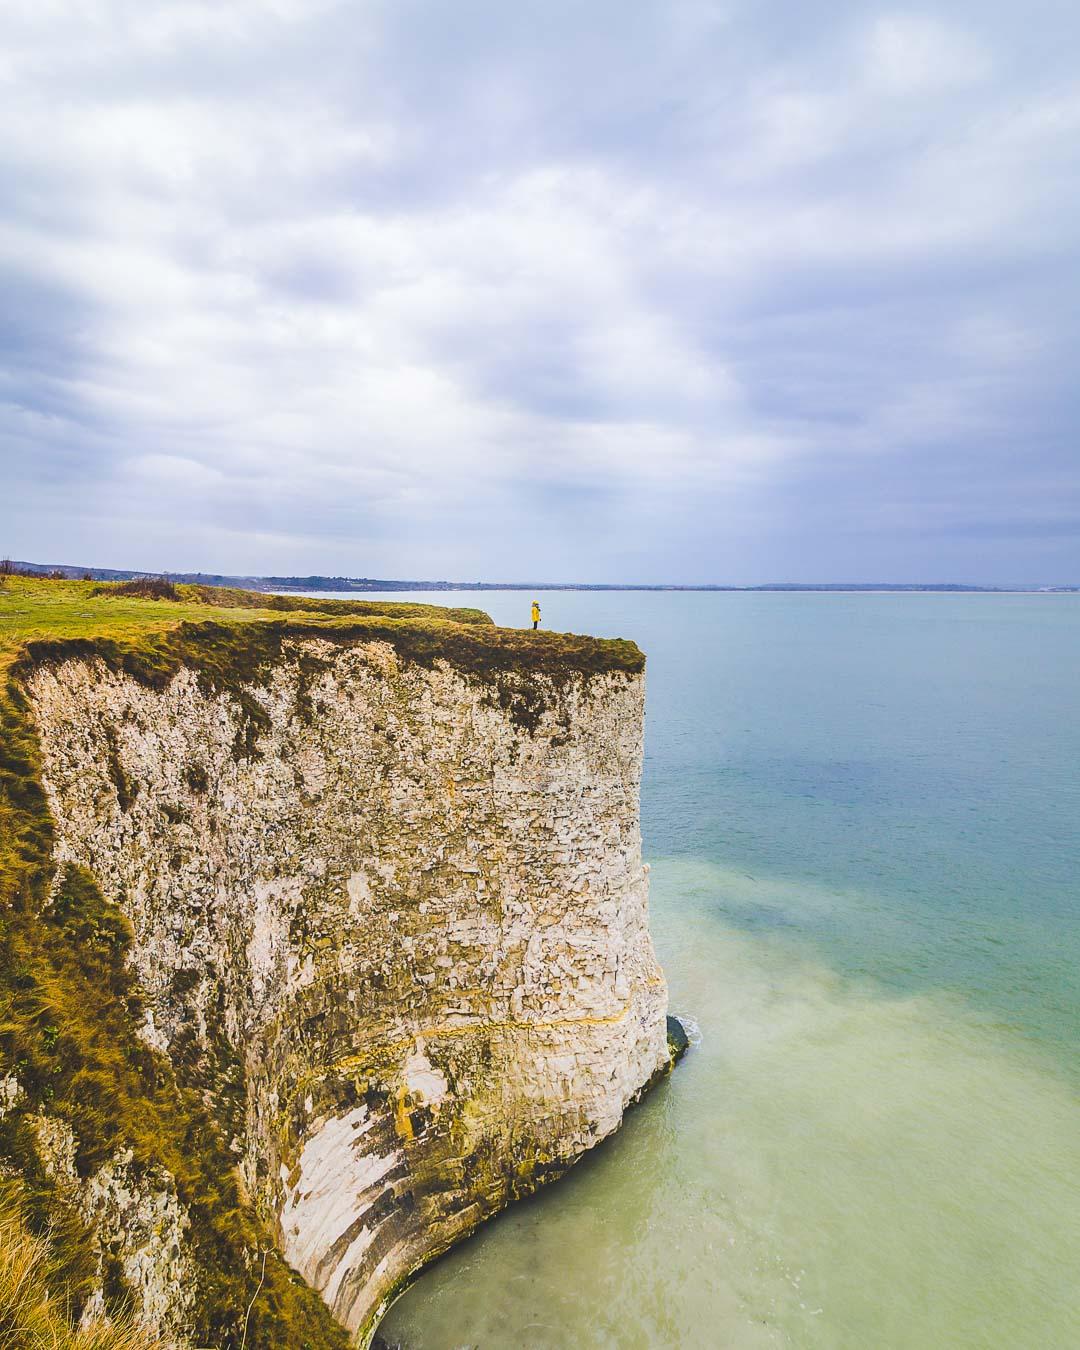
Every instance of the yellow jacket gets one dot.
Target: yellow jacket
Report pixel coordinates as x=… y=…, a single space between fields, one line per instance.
x=535 y=612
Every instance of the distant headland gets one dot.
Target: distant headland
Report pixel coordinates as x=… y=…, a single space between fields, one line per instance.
x=339 y=584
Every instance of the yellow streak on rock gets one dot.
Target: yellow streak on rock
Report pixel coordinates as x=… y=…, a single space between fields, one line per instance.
x=350 y=1062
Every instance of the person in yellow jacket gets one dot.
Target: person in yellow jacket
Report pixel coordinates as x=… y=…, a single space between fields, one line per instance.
x=536 y=614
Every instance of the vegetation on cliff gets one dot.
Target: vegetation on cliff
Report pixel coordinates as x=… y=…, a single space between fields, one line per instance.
x=67 y=1034
x=32 y=1316
x=68 y=1009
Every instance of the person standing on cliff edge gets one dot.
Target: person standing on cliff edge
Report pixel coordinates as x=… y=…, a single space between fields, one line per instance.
x=536 y=614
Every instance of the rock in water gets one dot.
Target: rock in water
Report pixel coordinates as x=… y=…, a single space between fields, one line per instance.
x=677 y=1039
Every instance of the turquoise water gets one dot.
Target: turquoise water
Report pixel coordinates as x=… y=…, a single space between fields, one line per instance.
x=862 y=815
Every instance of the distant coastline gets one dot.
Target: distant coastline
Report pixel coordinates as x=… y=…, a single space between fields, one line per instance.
x=328 y=583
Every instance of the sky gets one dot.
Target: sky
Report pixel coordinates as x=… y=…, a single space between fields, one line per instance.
x=598 y=290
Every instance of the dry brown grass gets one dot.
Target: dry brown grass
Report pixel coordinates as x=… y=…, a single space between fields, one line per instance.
x=145 y=588
x=32 y=1317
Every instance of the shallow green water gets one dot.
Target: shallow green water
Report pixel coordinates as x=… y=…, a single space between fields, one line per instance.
x=862 y=814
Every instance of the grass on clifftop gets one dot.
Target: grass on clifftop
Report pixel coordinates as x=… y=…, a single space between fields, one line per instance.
x=68 y=1010
x=32 y=607
x=46 y=615
x=232 y=638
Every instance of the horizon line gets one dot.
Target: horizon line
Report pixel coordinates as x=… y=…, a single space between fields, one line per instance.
x=306 y=582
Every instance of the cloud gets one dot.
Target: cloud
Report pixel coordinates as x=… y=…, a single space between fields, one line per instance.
x=689 y=292
x=174 y=473
x=909 y=54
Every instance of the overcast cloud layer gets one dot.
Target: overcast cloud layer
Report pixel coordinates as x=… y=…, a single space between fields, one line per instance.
x=609 y=290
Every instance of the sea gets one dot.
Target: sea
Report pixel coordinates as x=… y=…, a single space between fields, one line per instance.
x=862 y=814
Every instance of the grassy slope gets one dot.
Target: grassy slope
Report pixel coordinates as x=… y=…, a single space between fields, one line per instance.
x=32 y=608
x=68 y=1011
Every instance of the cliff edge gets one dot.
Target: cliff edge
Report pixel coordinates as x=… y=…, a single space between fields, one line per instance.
x=384 y=923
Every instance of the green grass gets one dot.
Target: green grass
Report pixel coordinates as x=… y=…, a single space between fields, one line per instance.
x=68 y=1008
x=33 y=608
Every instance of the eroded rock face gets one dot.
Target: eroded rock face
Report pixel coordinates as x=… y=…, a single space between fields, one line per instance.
x=140 y=1227
x=403 y=947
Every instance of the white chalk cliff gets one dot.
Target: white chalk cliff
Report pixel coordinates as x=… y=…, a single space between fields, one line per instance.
x=398 y=938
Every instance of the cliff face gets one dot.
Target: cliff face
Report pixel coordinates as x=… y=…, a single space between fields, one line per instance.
x=389 y=917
